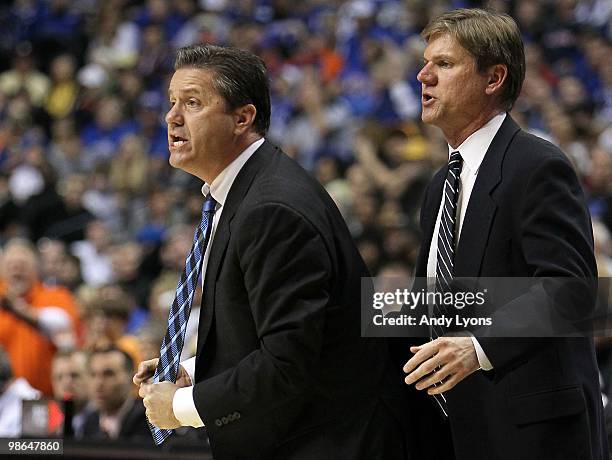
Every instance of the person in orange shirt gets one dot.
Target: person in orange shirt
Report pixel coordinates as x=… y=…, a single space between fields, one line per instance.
x=35 y=319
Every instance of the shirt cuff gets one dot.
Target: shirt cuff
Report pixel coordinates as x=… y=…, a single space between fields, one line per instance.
x=484 y=362
x=184 y=408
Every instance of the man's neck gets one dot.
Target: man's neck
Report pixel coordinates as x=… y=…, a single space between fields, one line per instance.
x=114 y=411
x=240 y=147
x=456 y=137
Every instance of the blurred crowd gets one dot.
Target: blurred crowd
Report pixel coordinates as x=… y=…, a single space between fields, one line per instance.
x=95 y=225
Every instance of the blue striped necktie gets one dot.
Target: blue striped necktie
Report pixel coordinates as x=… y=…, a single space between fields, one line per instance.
x=446 y=245
x=168 y=365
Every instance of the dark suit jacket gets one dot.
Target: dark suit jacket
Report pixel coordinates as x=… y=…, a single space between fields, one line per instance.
x=526 y=218
x=134 y=427
x=281 y=369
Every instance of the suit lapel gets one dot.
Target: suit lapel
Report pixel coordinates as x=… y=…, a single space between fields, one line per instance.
x=431 y=205
x=481 y=206
x=237 y=192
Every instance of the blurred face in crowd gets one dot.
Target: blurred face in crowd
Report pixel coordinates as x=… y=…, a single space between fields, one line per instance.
x=52 y=255
x=19 y=269
x=109 y=113
x=98 y=234
x=456 y=97
x=125 y=260
x=110 y=380
x=62 y=67
x=69 y=377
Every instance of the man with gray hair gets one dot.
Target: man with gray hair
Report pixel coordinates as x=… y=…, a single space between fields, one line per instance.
x=508 y=204
x=35 y=319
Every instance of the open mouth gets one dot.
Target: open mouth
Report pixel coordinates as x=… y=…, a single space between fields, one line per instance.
x=427 y=100
x=177 y=141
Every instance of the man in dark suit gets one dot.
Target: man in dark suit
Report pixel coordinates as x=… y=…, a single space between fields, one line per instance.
x=281 y=371
x=508 y=204
x=117 y=415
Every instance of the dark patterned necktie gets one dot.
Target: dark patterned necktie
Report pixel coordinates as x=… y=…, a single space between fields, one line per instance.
x=172 y=345
x=446 y=246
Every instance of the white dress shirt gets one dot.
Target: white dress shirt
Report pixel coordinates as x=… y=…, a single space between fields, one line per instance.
x=473 y=151
x=183 y=405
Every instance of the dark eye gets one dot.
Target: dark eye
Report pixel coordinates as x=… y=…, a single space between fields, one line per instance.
x=192 y=103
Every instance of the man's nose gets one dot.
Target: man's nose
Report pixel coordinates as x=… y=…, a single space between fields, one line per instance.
x=174 y=116
x=425 y=75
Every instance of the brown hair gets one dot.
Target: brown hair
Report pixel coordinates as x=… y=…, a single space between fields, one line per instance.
x=239 y=76
x=492 y=38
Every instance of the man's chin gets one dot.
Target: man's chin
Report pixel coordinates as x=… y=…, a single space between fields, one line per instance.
x=429 y=118
x=176 y=161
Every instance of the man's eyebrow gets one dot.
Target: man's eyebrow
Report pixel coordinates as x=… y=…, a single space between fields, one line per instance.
x=187 y=90
x=441 y=56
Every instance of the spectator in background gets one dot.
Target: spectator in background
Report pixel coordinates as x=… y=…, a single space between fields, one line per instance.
x=104 y=202
x=174 y=250
x=70 y=380
x=152 y=131
x=128 y=170
x=599 y=184
x=130 y=86
x=23 y=76
x=35 y=320
x=58 y=27
x=65 y=152
x=117 y=415
x=13 y=391
x=32 y=187
x=64 y=90
x=106 y=320
x=70 y=275
x=70 y=223
x=102 y=137
x=52 y=254
x=126 y=259
x=114 y=42
x=155 y=57
x=94 y=253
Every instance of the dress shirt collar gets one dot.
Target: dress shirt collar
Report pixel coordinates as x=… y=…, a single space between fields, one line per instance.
x=474 y=148
x=221 y=185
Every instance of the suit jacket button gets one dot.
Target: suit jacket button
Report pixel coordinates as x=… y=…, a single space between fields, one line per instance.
x=218 y=422
x=237 y=415
x=224 y=420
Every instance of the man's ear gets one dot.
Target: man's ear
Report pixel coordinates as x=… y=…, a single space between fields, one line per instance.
x=498 y=74
x=244 y=117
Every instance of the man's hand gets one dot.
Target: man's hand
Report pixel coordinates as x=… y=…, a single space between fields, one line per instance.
x=21 y=309
x=452 y=359
x=146 y=369
x=157 y=399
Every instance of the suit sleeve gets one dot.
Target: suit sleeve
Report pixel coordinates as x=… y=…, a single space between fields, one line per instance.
x=286 y=268
x=556 y=242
